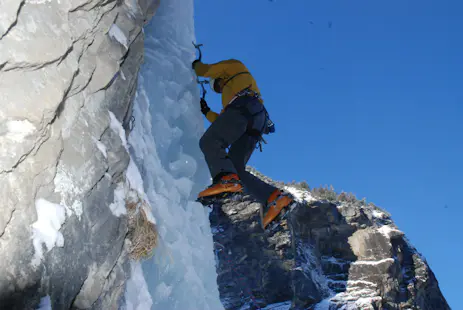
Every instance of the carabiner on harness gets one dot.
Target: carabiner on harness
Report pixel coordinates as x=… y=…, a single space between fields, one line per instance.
x=259 y=143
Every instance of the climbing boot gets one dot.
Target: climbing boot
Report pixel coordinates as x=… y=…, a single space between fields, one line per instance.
x=277 y=201
x=229 y=183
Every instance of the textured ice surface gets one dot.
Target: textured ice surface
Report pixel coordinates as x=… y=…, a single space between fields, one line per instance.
x=137 y=294
x=164 y=147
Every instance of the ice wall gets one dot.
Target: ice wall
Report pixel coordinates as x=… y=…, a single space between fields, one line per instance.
x=164 y=146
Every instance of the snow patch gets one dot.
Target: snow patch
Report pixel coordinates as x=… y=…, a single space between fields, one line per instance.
x=362 y=299
x=39 y=1
x=300 y=195
x=134 y=177
x=77 y=208
x=377 y=262
x=367 y=302
x=45 y=230
x=137 y=296
x=117 y=127
x=64 y=185
x=45 y=303
x=311 y=266
x=387 y=230
x=323 y=305
x=133 y=7
x=18 y=130
x=279 y=306
x=100 y=147
x=333 y=260
x=356 y=282
x=116 y=33
x=118 y=207
x=135 y=182
x=378 y=214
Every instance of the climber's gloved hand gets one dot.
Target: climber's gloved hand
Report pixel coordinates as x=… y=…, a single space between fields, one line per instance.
x=194 y=63
x=204 y=107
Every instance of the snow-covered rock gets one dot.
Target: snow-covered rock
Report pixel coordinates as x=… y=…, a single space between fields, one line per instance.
x=324 y=256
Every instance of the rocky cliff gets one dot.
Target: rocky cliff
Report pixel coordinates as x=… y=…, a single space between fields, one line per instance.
x=68 y=75
x=331 y=252
x=74 y=197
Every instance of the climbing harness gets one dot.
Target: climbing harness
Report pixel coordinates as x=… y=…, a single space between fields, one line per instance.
x=245 y=92
x=267 y=124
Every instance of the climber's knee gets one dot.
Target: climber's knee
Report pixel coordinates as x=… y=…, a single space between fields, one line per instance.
x=203 y=143
x=209 y=144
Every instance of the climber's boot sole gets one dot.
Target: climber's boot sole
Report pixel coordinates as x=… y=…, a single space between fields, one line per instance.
x=210 y=200
x=276 y=221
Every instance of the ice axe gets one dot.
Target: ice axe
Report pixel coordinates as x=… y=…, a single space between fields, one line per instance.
x=198 y=47
x=202 y=87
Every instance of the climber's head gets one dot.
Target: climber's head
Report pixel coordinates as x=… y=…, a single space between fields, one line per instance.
x=216 y=85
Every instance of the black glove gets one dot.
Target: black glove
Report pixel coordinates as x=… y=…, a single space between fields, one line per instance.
x=204 y=107
x=194 y=63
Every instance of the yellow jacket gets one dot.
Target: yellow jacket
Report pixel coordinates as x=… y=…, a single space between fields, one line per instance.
x=225 y=70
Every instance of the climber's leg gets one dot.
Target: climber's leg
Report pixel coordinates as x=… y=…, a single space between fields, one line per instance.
x=240 y=153
x=225 y=130
x=273 y=200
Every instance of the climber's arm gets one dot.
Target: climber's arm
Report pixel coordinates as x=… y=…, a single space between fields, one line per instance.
x=213 y=70
x=212 y=116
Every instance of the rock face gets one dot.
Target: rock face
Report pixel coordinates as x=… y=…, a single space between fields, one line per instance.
x=324 y=255
x=68 y=73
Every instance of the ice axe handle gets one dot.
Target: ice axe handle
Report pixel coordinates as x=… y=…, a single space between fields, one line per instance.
x=202 y=86
x=198 y=47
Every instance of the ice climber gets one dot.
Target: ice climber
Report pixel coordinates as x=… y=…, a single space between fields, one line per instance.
x=239 y=127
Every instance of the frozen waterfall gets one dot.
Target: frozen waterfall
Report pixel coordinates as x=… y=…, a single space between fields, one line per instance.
x=164 y=145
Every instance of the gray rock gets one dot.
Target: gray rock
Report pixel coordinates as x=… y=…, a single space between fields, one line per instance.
x=344 y=255
x=63 y=66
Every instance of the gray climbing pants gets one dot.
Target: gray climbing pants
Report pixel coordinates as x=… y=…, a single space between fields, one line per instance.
x=229 y=130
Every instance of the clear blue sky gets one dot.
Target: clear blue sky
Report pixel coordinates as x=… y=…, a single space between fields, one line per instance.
x=372 y=105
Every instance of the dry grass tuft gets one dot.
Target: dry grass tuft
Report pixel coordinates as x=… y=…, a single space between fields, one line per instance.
x=142 y=233
x=132 y=205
